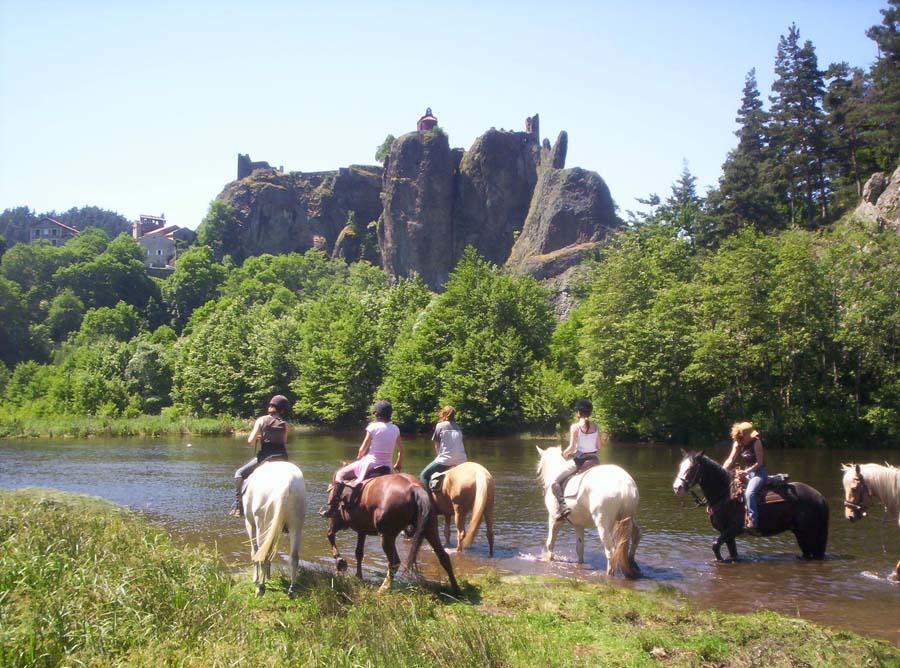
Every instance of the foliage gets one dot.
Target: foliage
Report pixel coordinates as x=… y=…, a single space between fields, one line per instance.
x=13 y=323
x=384 y=149
x=194 y=282
x=218 y=230
x=65 y=314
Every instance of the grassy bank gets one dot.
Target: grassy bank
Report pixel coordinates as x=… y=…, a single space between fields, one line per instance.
x=84 y=582
x=70 y=426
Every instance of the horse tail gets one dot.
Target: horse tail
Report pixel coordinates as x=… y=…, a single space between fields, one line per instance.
x=484 y=494
x=622 y=535
x=424 y=515
x=276 y=510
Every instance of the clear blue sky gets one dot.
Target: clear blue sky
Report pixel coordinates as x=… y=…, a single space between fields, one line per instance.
x=143 y=107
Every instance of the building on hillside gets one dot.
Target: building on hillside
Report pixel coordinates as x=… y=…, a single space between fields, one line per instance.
x=246 y=166
x=427 y=122
x=48 y=229
x=157 y=239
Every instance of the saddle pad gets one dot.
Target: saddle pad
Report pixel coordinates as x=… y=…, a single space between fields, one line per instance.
x=772 y=497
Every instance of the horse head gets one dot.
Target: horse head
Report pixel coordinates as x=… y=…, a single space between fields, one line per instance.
x=856 y=493
x=550 y=463
x=689 y=471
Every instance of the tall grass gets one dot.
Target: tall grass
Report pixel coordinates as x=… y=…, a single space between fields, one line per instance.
x=83 y=582
x=69 y=426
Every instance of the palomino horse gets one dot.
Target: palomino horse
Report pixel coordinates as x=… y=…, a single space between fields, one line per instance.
x=388 y=505
x=466 y=488
x=605 y=497
x=865 y=483
x=275 y=497
x=799 y=508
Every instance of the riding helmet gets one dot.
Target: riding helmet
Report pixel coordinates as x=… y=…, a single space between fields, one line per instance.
x=383 y=410
x=584 y=406
x=280 y=402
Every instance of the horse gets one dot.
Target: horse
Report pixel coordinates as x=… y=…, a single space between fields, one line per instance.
x=274 y=498
x=466 y=488
x=864 y=483
x=605 y=497
x=801 y=509
x=388 y=505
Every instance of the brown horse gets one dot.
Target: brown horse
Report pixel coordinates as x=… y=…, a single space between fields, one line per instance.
x=467 y=488
x=388 y=505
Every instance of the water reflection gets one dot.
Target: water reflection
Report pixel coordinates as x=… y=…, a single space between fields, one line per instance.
x=188 y=490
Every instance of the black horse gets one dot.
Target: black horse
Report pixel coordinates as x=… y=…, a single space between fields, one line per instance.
x=797 y=507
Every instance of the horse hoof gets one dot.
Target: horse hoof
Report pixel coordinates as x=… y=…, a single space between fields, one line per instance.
x=292 y=591
x=341 y=565
x=260 y=590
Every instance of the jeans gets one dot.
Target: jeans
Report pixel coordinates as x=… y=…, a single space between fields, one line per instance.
x=751 y=496
x=430 y=470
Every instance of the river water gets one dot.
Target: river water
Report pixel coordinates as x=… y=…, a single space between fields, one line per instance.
x=184 y=483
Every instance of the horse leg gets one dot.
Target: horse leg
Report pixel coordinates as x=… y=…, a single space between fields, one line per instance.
x=731 y=544
x=446 y=529
x=459 y=519
x=431 y=535
x=390 y=551
x=897 y=570
x=360 y=550
x=339 y=564
x=579 y=543
x=606 y=537
x=551 y=537
x=296 y=535
x=717 y=546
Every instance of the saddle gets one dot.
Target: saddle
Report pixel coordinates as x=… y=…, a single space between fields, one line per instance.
x=773 y=491
x=587 y=465
x=349 y=494
x=437 y=479
x=266 y=460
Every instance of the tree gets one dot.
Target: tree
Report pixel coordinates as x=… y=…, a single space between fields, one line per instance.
x=848 y=124
x=82 y=218
x=148 y=376
x=743 y=198
x=797 y=131
x=14 y=335
x=219 y=230
x=120 y=322
x=14 y=223
x=194 y=282
x=65 y=314
x=884 y=108
x=384 y=150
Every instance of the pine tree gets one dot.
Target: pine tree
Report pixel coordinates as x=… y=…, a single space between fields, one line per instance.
x=884 y=108
x=797 y=131
x=743 y=198
x=849 y=125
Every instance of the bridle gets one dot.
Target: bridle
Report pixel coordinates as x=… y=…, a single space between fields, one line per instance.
x=858 y=503
x=696 y=476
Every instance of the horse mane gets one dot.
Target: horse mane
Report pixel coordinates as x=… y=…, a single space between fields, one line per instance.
x=545 y=468
x=716 y=468
x=882 y=480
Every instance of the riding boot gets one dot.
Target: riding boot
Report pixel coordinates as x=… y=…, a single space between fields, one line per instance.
x=562 y=509
x=237 y=510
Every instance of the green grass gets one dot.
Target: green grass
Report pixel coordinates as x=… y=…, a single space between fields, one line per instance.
x=83 y=582
x=69 y=426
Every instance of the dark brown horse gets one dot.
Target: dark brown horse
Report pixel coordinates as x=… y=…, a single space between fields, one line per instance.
x=388 y=505
x=799 y=508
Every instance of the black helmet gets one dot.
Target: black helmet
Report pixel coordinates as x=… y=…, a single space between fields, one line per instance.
x=280 y=402
x=383 y=410
x=584 y=406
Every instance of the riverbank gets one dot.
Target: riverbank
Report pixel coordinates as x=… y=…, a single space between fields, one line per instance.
x=71 y=426
x=133 y=596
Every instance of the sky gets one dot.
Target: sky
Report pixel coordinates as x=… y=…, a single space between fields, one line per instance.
x=143 y=107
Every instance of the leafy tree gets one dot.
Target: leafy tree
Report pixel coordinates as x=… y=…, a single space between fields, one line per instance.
x=120 y=322
x=14 y=223
x=884 y=107
x=65 y=314
x=82 y=218
x=32 y=266
x=14 y=335
x=219 y=230
x=194 y=282
x=148 y=376
x=3 y=245
x=384 y=150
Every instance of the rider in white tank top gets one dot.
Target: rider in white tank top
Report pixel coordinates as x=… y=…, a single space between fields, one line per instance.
x=587 y=443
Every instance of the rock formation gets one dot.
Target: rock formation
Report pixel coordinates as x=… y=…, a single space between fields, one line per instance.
x=881 y=200
x=281 y=213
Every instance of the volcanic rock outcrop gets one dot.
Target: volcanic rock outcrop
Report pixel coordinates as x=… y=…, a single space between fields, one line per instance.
x=283 y=213
x=881 y=200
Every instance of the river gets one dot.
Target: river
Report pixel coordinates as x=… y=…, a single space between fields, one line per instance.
x=184 y=483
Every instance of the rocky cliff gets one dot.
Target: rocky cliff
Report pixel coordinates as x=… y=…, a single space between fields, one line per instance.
x=281 y=213
x=881 y=200
x=508 y=196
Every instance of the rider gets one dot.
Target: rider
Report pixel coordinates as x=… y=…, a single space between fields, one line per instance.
x=448 y=446
x=584 y=440
x=271 y=429
x=747 y=449
x=376 y=451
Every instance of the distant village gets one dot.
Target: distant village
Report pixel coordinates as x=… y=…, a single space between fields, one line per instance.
x=152 y=233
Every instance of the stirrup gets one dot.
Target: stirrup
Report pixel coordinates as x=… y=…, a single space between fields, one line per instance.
x=563 y=512
x=237 y=510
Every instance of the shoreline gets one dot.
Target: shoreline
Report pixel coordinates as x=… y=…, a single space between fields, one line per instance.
x=156 y=602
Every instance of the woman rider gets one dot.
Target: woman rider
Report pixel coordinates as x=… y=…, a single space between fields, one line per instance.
x=271 y=429
x=746 y=449
x=448 y=445
x=584 y=439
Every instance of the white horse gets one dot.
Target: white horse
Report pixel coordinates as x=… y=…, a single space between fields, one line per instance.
x=275 y=498
x=865 y=483
x=605 y=497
